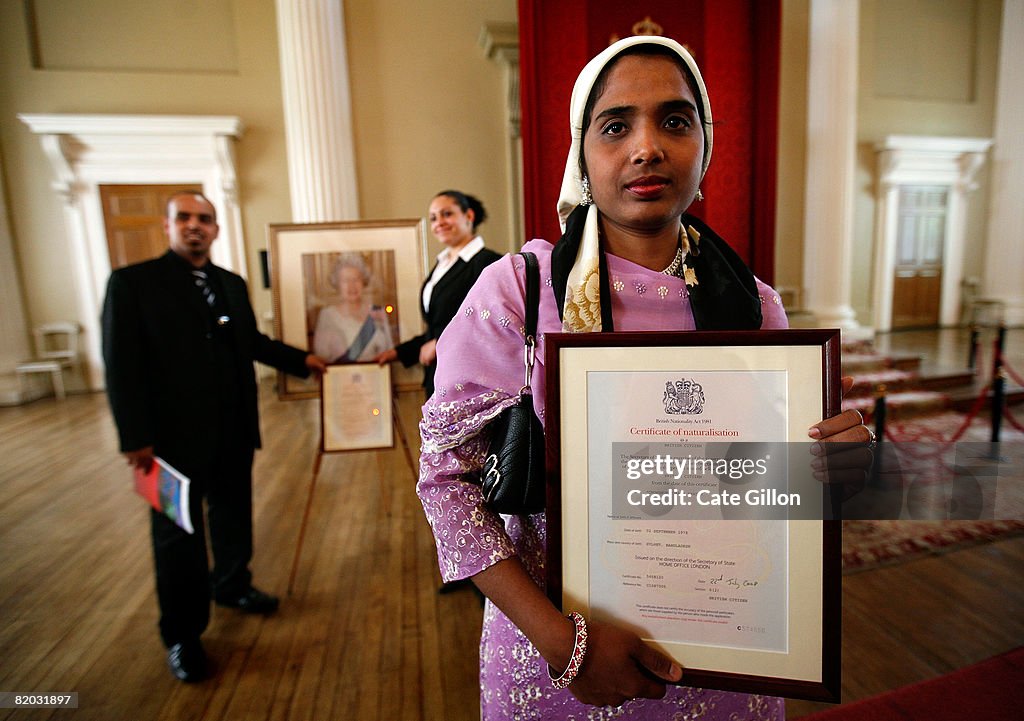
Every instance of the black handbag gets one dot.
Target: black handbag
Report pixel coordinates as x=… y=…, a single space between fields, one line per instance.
x=513 y=474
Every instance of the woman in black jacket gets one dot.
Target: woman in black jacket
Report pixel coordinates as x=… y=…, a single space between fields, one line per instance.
x=454 y=217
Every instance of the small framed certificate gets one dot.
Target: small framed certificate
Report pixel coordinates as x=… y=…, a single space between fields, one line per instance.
x=356 y=406
x=658 y=446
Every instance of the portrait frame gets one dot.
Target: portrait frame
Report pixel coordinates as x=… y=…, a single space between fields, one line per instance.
x=291 y=245
x=356 y=408
x=806 y=664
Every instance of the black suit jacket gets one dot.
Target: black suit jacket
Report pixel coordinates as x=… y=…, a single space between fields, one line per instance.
x=161 y=361
x=445 y=301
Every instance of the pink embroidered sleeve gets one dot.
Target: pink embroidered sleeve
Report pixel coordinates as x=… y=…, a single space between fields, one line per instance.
x=469 y=537
x=479 y=373
x=773 y=315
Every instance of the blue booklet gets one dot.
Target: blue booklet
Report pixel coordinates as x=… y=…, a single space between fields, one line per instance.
x=167 y=490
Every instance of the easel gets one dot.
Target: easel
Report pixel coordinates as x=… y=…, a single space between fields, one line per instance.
x=396 y=420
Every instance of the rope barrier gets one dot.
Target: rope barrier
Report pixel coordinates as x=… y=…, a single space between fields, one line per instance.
x=999 y=360
x=1011 y=420
x=979 y=402
x=924 y=434
x=973 y=413
x=1011 y=372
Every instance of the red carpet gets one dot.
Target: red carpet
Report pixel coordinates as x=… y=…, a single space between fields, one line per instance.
x=870 y=544
x=942 y=427
x=992 y=690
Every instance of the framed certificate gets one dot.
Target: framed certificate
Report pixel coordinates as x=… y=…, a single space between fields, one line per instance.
x=647 y=529
x=356 y=407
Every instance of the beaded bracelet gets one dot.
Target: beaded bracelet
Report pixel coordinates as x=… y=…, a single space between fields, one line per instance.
x=579 y=650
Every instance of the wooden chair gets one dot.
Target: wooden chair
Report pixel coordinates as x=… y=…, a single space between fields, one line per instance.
x=56 y=350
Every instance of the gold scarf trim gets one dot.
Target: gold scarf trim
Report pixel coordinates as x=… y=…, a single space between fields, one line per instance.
x=581 y=312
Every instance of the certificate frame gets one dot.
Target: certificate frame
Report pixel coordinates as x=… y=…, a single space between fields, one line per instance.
x=809 y=667
x=356 y=408
x=391 y=253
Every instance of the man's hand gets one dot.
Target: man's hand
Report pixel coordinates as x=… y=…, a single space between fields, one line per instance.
x=428 y=353
x=386 y=356
x=316 y=364
x=141 y=459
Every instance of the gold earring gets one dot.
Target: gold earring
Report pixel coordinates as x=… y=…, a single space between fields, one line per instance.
x=699 y=195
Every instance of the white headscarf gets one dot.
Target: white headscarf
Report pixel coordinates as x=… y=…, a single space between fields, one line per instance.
x=571 y=194
x=581 y=310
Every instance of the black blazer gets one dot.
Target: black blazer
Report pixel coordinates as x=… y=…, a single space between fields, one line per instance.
x=445 y=301
x=161 y=356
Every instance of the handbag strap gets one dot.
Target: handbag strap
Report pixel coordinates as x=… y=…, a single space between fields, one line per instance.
x=532 y=292
x=530 y=319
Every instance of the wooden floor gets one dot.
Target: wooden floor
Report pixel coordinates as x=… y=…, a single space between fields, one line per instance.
x=925 y=618
x=365 y=634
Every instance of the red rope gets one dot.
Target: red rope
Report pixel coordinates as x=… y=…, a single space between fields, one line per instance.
x=971 y=415
x=939 y=448
x=1013 y=374
x=1000 y=362
x=1011 y=420
x=978 y=403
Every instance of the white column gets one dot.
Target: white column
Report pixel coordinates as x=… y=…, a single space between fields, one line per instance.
x=831 y=144
x=500 y=42
x=70 y=189
x=230 y=215
x=1004 y=246
x=317 y=110
x=13 y=324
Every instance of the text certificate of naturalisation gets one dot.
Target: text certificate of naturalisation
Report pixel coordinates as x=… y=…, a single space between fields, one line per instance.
x=700 y=574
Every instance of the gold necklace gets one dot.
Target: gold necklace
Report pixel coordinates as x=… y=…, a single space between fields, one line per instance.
x=677 y=262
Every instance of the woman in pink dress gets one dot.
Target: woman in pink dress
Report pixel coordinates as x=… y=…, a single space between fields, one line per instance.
x=630 y=258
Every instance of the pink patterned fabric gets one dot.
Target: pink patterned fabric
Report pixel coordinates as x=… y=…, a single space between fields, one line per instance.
x=479 y=373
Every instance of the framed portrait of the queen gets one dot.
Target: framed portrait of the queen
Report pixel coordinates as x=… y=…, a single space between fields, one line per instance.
x=346 y=291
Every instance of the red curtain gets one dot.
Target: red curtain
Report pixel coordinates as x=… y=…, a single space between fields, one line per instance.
x=736 y=44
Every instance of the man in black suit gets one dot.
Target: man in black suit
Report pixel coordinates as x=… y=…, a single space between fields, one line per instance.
x=179 y=341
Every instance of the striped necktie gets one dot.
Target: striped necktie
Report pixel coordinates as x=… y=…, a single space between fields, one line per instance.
x=202 y=282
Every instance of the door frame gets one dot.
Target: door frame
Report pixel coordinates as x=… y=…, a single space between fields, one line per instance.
x=86 y=151
x=951 y=163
